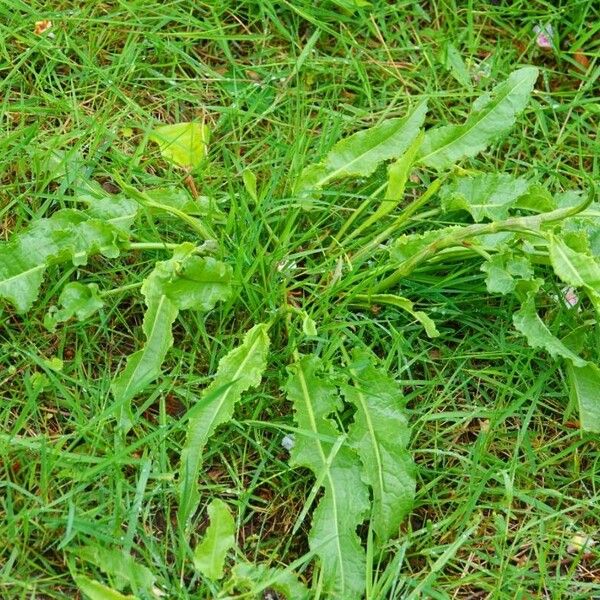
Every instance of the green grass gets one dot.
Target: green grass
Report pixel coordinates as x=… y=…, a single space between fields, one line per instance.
x=505 y=478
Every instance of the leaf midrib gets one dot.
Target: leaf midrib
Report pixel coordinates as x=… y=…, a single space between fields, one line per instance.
x=486 y=114
x=332 y=490
x=373 y=436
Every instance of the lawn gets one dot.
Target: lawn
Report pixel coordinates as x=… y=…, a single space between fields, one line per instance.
x=506 y=499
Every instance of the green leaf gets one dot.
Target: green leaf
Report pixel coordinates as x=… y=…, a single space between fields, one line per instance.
x=144 y=366
x=585 y=389
x=95 y=590
x=575 y=268
x=237 y=372
x=380 y=433
x=183 y=144
x=453 y=62
x=210 y=553
x=345 y=499
x=120 y=566
x=537 y=198
x=503 y=270
x=77 y=300
x=184 y=282
x=361 y=153
x=398 y=173
x=485 y=196
x=117 y=211
x=492 y=115
x=180 y=199
x=68 y=235
x=257 y=578
x=249 y=178
x=527 y=322
x=404 y=304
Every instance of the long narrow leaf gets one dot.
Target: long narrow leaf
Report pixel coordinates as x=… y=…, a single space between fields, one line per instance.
x=380 y=434
x=238 y=371
x=184 y=282
x=345 y=500
x=492 y=115
x=361 y=153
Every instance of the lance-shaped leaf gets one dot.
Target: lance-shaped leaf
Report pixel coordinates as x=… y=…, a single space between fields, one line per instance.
x=67 y=236
x=77 y=300
x=380 y=434
x=527 y=321
x=575 y=268
x=334 y=463
x=183 y=144
x=210 y=553
x=585 y=390
x=492 y=115
x=257 y=578
x=237 y=372
x=398 y=173
x=485 y=196
x=361 y=153
x=94 y=590
x=186 y=281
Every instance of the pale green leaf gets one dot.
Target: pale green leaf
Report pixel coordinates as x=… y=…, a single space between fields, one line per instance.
x=117 y=211
x=404 y=304
x=210 y=553
x=76 y=300
x=144 y=366
x=380 y=433
x=94 y=590
x=575 y=268
x=361 y=153
x=504 y=269
x=453 y=62
x=398 y=173
x=237 y=372
x=249 y=178
x=184 y=282
x=527 y=321
x=179 y=199
x=537 y=198
x=485 y=196
x=345 y=499
x=120 y=566
x=492 y=115
x=585 y=389
x=66 y=236
x=183 y=144
x=257 y=578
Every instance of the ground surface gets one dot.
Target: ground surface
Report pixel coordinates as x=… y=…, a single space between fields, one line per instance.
x=279 y=82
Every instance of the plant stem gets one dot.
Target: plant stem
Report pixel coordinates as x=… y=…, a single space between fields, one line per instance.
x=406 y=214
x=123 y=288
x=152 y=246
x=531 y=225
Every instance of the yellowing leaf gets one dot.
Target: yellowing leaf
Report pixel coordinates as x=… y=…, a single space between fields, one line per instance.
x=183 y=144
